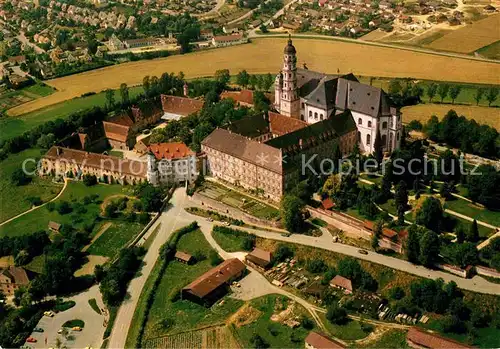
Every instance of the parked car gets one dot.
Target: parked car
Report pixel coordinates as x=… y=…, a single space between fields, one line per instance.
x=31 y=340
x=38 y=329
x=59 y=331
x=49 y=313
x=362 y=251
x=227 y=224
x=286 y=234
x=77 y=328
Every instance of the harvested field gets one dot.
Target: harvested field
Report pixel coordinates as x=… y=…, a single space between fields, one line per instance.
x=422 y=113
x=374 y=35
x=265 y=55
x=471 y=37
x=88 y=268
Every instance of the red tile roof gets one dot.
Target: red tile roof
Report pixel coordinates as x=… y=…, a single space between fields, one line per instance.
x=116 y=132
x=171 y=151
x=122 y=119
x=328 y=203
x=180 y=105
x=281 y=124
x=260 y=257
x=320 y=341
x=17 y=275
x=389 y=233
x=368 y=225
x=432 y=341
x=341 y=282
x=97 y=161
x=243 y=96
x=215 y=277
x=235 y=37
x=183 y=256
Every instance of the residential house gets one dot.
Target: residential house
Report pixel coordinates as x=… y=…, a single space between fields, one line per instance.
x=259 y=258
x=342 y=283
x=228 y=40
x=12 y=278
x=315 y=340
x=420 y=339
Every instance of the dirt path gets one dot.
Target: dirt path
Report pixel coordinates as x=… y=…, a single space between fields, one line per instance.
x=37 y=207
x=99 y=233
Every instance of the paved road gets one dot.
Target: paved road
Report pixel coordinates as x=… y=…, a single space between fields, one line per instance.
x=25 y=41
x=169 y=224
x=90 y=336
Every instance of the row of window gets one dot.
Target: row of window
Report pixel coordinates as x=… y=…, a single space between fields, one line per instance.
x=384 y=138
x=384 y=124
x=315 y=115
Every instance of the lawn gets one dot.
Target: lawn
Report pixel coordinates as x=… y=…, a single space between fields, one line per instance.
x=474 y=211
x=488 y=337
x=13 y=198
x=94 y=306
x=372 y=178
x=350 y=331
x=276 y=334
x=483 y=231
x=320 y=222
x=74 y=323
x=230 y=242
x=12 y=126
x=243 y=202
x=390 y=206
x=491 y=51
x=185 y=315
x=74 y=193
x=10 y=98
x=115 y=238
x=391 y=339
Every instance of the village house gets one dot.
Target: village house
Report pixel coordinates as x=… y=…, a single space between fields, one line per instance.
x=175 y=107
x=12 y=278
x=315 y=340
x=183 y=257
x=54 y=226
x=214 y=284
x=259 y=258
x=342 y=283
x=228 y=40
x=171 y=163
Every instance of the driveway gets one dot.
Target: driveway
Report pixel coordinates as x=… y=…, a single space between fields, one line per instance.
x=90 y=336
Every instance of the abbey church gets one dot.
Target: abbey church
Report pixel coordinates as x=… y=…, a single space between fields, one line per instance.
x=312 y=97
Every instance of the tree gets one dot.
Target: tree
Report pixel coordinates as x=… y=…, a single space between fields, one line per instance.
x=146 y=85
x=252 y=81
x=491 y=95
x=429 y=248
x=223 y=77
x=430 y=214
x=443 y=90
x=401 y=215
x=263 y=29
x=464 y=254
x=124 y=93
x=454 y=92
x=413 y=244
x=460 y=233
x=375 y=241
x=332 y=185
x=378 y=152
x=401 y=195
x=110 y=98
x=281 y=253
x=89 y=180
x=291 y=213
x=258 y=342
x=397 y=293
x=46 y=141
x=243 y=78
x=446 y=190
x=336 y=315
x=431 y=91
x=267 y=81
x=484 y=186
x=479 y=95
x=19 y=177
x=395 y=87
x=473 y=233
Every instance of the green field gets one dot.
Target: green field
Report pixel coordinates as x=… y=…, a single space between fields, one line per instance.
x=488 y=337
x=276 y=334
x=115 y=238
x=74 y=193
x=10 y=98
x=15 y=126
x=473 y=211
x=491 y=51
x=350 y=331
x=13 y=198
x=185 y=314
x=392 y=339
x=230 y=242
x=483 y=231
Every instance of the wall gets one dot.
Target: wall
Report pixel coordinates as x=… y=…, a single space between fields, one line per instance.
x=487 y=272
x=452 y=269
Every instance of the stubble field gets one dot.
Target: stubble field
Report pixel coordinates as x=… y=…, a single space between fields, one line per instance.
x=471 y=37
x=265 y=55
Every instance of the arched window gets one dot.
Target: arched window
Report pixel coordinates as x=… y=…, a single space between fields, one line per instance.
x=384 y=125
x=369 y=124
x=321 y=116
x=360 y=122
x=310 y=113
x=368 y=139
x=315 y=116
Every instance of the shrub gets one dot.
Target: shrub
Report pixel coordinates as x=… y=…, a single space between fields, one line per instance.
x=307 y=323
x=143 y=218
x=34 y=200
x=199 y=256
x=19 y=178
x=336 y=315
x=89 y=180
x=215 y=259
x=64 y=208
x=51 y=206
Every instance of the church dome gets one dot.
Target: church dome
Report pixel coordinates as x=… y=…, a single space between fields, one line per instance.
x=289 y=48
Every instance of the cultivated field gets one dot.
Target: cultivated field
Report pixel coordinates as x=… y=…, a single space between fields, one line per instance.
x=264 y=55
x=471 y=37
x=482 y=115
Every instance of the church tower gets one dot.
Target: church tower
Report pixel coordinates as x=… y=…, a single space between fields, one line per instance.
x=289 y=98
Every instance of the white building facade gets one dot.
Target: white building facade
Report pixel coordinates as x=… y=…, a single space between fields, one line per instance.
x=171 y=163
x=313 y=97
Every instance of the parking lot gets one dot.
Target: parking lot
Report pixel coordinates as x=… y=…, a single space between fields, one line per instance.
x=91 y=334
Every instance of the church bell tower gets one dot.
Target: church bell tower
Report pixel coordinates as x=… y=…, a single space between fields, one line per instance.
x=289 y=98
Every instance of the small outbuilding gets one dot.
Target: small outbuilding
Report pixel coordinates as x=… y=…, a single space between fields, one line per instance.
x=183 y=257
x=54 y=226
x=259 y=257
x=342 y=283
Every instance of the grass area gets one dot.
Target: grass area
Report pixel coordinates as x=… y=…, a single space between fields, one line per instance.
x=372 y=178
x=115 y=238
x=391 y=339
x=354 y=213
x=319 y=222
x=390 y=206
x=243 y=202
x=63 y=306
x=113 y=311
x=483 y=231
x=185 y=315
x=474 y=211
x=230 y=241
x=10 y=98
x=74 y=323
x=36 y=265
x=74 y=193
x=488 y=337
x=276 y=334
x=39 y=89
x=491 y=51
x=350 y=331
x=13 y=199
x=151 y=237
x=12 y=126
x=94 y=306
